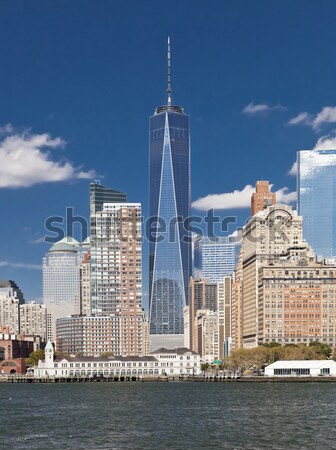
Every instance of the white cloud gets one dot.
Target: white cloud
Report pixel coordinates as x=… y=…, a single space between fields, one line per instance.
x=26 y=160
x=238 y=199
x=326 y=115
x=6 y=129
x=293 y=170
x=255 y=108
x=283 y=196
x=301 y=119
x=20 y=265
x=230 y=200
x=326 y=143
x=237 y=236
x=39 y=240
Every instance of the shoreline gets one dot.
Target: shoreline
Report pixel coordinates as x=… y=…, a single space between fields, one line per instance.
x=190 y=379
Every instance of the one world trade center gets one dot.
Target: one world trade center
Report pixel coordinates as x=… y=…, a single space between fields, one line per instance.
x=170 y=246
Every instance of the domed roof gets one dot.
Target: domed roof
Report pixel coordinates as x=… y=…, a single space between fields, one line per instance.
x=67 y=244
x=69 y=240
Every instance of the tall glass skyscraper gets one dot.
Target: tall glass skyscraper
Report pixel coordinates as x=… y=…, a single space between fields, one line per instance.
x=214 y=258
x=170 y=246
x=316 y=186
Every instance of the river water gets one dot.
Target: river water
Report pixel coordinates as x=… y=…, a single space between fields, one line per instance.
x=170 y=415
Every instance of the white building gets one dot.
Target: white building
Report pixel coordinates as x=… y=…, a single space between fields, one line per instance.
x=61 y=282
x=33 y=319
x=301 y=368
x=174 y=362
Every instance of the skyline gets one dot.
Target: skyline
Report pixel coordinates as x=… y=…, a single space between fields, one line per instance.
x=83 y=111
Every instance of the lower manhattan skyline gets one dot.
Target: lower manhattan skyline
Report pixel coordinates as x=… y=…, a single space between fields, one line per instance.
x=168 y=251
x=255 y=97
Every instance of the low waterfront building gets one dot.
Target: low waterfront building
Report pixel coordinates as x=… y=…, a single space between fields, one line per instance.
x=13 y=366
x=172 y=362
x=301 y=368
x=178 y=361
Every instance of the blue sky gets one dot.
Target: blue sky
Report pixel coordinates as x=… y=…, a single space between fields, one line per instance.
x=79 y=79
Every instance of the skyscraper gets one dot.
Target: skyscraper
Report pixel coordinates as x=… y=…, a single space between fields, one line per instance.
x=170 y=246
x=33 y=319
x=98 y=196
x=316 y=188
x=61 y=282
x=118 y=273
x=268 y=237
x=262 y=197
x=214 y=258
x=11 y=298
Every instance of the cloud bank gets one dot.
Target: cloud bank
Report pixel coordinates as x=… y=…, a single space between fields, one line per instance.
x=238 y=199
x=26 y=159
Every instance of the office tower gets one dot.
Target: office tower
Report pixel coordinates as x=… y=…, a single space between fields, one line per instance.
x=170 y=246
x=98 y=196
x=210 y=301
x=61 y=282
x=267 y=237
x=237 y=304
x=316 y=188
x=145 y=334
x=202 y=295
x=33 y=319
x=11 y=298
x=206 y=327
x=262 y=197
x=224 y=311
x=85 y=282
x=118 y=278
x=214 y=257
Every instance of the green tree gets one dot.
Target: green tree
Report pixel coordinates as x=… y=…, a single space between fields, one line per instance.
x=322 y=348
x=271 y=344
x=204 y=367
x=34 y=357
x=107 y=354
x=334 y=354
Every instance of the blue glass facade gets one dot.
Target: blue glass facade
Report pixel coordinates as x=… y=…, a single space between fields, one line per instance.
x=170 y=246
x=316 y=186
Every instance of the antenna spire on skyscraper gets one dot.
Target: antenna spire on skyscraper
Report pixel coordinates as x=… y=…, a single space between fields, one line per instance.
x=169 y=86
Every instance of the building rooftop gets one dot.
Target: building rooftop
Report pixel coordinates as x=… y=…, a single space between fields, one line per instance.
x=178 y=351
x=67 y=244
x=106 y=358
x=303 y=364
